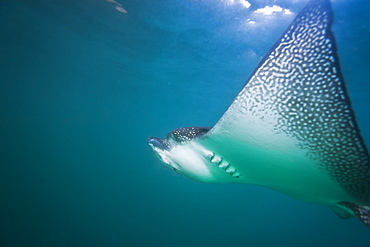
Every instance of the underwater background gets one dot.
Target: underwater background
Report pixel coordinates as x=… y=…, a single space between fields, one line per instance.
x=84 y=83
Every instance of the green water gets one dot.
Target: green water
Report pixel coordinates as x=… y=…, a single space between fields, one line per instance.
x=83 y=85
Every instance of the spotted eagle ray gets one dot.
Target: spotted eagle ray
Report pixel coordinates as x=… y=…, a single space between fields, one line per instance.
x=291 y=128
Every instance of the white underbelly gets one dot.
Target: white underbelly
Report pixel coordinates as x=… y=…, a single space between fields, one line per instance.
x=276 y=161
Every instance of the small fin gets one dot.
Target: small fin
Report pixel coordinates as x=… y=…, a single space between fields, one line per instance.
x=361 y=212
x=342 y=212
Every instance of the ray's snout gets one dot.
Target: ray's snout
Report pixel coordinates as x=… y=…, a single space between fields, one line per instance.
x=157 y=143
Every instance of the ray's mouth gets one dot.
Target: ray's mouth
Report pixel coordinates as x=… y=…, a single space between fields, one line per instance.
x=162 y=149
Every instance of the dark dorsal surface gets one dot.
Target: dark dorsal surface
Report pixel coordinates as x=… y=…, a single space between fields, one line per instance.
x=182 y=135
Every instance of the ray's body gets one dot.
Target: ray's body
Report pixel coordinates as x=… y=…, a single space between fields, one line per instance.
x=291 y=128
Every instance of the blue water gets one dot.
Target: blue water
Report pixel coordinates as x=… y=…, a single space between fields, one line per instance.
x=82 y=85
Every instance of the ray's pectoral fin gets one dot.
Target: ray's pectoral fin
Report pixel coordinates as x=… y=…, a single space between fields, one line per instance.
x=295 y=111
x=291 y=128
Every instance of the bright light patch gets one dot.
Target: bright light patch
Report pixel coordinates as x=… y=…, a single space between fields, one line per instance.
x=245 y=3
x=271 y=10
x=287 y=12
x=118 y=6
x=120 y=9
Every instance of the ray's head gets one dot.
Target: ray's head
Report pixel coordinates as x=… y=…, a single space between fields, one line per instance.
x=168 y=147
x=182 y=152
